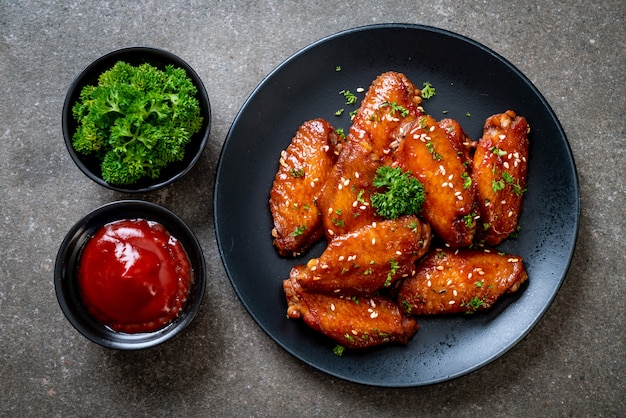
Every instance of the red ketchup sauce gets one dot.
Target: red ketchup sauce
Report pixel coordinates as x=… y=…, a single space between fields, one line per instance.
x=134 y=276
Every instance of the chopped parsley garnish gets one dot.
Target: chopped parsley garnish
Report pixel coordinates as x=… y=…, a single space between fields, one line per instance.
x=395 y=107
x=338 y=350
x=297 y=172
x=340 y=132
x=298 y=231
x=428 y=91
x=394 y=268
x=497 y=185
x=349 y=96
x=474 y=304
x=339 y=112
x=403 y=194
x=431 y=149
x=467 y=180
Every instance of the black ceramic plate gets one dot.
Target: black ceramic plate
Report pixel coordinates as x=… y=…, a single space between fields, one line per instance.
x=472 y=83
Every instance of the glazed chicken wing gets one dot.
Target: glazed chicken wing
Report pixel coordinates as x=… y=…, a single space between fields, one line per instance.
x=499 y=172
x=303 y=169
x=460 y=281
x=344 y=203
x=368 y=259
x=390 y=101
x=449 y=204
x=353 y=322
x=460 y=141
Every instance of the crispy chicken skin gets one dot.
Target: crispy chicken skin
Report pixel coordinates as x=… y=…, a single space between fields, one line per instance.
x=460 y=281
x=353 y=322
x=499 y=172
x=380 y=117
x=344 y=203
x=304 y=167
x=449 y=204
x=368 y=259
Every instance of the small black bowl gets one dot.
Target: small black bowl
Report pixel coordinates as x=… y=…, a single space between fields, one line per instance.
x=66 y=278
x=136 y=56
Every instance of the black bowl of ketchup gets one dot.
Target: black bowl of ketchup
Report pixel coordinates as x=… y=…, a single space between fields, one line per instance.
x=130 y=275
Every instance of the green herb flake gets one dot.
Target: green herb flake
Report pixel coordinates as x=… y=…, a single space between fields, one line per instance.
x=428 y=91
x=467 y=180
x=349 y=96
x=395 y=107
x=298 y=231
x=338 y=350
x=295 y=173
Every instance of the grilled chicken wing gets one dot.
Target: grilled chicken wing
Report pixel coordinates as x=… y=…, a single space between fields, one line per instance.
x=368 y=259
x=460 y=141
x=499 y=172
x=353 y=322
x=449 y=203
x=303 y=169
x=390 y=101
x=460 y=281
x=344 y=203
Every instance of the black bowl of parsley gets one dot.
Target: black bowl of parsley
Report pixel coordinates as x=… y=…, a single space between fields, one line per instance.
x=136 y=119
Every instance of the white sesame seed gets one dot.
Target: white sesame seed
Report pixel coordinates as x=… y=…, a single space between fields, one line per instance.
x=469 y=275
x=439 y=268
x=341 y=258
x=451 y=302
x=428 y=283
x=502 y=136
x=398 y=252
x=444 y=184
x=362 y=207
x=457 y=193
x=451 y=176
x=372 y=303
x=374 y=224
x=360 y=90
x=460 y=197
x=505 y=164
x=340 y=186
x=373 y=241
x=374 y=315
x=330 y=232
x=332 y=307
x=357 y=175
x=432 y=128
x=455 y=293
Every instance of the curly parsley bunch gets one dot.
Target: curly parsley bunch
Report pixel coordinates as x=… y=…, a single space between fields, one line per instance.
x=137 y=120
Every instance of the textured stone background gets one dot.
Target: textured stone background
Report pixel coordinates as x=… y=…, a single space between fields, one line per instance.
x=571 y=364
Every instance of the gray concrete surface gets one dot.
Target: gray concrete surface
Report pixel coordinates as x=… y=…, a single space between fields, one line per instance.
x=571 y=364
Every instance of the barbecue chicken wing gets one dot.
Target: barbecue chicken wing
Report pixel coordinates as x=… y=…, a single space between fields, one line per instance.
x=449 y=204
x=460 y=281
x=368 y=259
x=460 y=141
x=499 y=172
x=353 y=322
x=344 y=203
x=390 y=101
x=303 y=169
